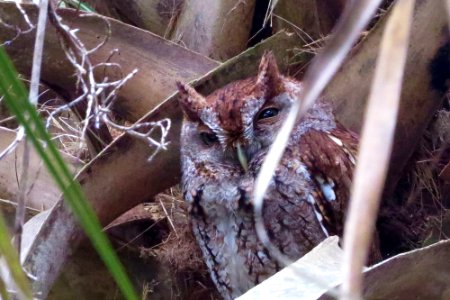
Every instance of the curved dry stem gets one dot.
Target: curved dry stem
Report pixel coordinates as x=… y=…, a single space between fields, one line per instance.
x=323 y=67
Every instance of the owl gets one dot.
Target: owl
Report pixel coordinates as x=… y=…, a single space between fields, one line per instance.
x=224 y=140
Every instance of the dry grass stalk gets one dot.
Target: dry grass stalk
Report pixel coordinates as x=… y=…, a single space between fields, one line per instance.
x=376 y=142
x=33 y=98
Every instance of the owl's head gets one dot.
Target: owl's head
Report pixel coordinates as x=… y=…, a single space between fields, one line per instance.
x=235 y=122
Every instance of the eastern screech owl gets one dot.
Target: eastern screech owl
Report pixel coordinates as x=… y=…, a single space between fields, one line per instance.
x=224 y=140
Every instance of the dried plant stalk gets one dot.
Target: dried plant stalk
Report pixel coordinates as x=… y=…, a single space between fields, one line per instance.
x=33 y=98
x=375 y=147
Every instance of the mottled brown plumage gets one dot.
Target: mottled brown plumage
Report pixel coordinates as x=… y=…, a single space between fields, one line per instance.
x=225 y=138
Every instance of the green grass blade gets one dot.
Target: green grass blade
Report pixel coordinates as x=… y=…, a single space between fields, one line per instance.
x=12 y=260
x=79 y=5
x=16 y=98
x=4 y=295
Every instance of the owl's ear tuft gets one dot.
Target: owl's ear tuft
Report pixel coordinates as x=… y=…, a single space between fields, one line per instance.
x=269 y=79
x=191 y=101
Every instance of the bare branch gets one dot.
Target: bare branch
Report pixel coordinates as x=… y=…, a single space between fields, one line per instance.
x=150 y=127
x=99 y=97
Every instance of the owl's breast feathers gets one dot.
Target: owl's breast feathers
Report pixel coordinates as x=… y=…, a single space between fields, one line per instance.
x=306 y=202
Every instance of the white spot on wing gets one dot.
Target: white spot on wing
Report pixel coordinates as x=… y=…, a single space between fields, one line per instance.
x=326 y=188
x=336 y=140
x=350 y=156
x=318 y=214
x=340 y=144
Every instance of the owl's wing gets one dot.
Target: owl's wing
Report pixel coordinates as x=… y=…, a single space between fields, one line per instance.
x=330 y=160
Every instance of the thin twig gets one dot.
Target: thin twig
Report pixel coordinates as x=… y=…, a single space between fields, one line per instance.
x=137 y=236
x=168 y=218
x=33 y=98
x=18 y=30
x=11 y=147
x=300 y=33
x=25 y=16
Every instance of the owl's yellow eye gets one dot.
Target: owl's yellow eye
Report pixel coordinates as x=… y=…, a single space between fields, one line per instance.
x=208 y=138
x=268 y=113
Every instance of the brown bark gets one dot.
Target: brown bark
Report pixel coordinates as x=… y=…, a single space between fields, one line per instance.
x=316 y=18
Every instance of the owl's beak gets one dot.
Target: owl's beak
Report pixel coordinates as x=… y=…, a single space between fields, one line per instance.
x=242 y=157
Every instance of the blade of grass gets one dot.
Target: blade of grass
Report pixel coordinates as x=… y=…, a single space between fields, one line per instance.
x=16 y=100
x=375 y=147
x=9 y=254
x=79 y=5
x=3 y=291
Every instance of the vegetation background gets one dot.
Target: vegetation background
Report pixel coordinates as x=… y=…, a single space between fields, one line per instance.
x=89 y=127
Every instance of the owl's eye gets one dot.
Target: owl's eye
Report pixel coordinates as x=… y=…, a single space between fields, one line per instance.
x=268 y=113
x=208 y=138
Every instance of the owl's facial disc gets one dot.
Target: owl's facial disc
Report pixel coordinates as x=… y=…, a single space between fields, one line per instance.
x=239 y=120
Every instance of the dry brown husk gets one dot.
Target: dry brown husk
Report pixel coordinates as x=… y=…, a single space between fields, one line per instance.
x=218 y=29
